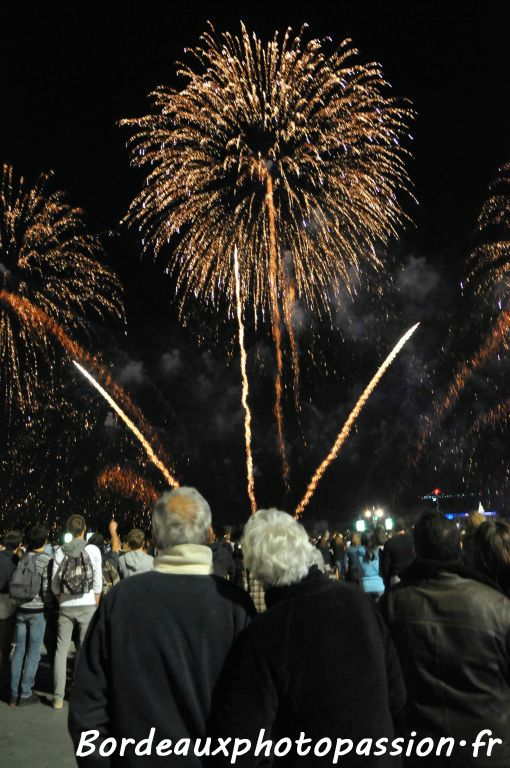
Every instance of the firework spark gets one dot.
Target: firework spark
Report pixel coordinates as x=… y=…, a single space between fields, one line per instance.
x=495 y=417
x=48 y=259
x=128 y=484
x=277 y=148
x=40 y=326
x=130 y=425
x=244 y=397
x=344 y=432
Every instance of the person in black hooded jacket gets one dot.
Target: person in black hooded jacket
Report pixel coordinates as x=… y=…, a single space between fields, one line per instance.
x=318 y=662
x=451 y=629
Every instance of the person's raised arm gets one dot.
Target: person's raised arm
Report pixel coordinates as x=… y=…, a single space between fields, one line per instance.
x=114 y=536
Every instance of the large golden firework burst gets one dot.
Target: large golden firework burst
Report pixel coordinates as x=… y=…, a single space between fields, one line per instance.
x=49 y=261
x=489 y=267
x=288 y=154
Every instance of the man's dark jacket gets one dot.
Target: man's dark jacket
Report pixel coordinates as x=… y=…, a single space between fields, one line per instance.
x=320 y=661
x=451 y=629
x=8 y=563
x=397 y=556
x=152 y=655
x=223 y=560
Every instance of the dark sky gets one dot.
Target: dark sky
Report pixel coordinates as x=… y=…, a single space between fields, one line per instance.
x=70 y=71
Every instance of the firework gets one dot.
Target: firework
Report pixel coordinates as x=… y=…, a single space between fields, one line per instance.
x=497 y=339
x=273 y=149
x=151 y=455
x=490 y=261
x=128 y=484
x=489 y=269
x=48 y=259
x=244 y=397
x=344 y=432
x=40 y=326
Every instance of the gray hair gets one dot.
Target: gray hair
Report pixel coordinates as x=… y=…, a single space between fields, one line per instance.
x=181 y=516
x=276 y=548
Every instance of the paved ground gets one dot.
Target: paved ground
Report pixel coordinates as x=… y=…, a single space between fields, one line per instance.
x=36 y=734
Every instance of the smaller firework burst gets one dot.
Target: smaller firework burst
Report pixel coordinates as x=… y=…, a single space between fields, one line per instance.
x=489 y=264
x=48 y=259
x=129 y=484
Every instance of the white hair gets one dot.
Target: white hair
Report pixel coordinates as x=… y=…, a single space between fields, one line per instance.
x=181 y=516
x=276 y=548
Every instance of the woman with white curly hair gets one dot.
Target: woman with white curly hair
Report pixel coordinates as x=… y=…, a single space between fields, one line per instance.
x=289 y=675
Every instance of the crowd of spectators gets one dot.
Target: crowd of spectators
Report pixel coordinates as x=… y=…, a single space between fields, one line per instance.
x=198 y=636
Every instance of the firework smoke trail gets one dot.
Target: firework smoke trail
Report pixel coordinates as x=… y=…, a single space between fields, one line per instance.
x=288 y=302
x=496 y=339
x=244 y=398
x=130 y=425
x=344 y=432
x=41 y=324
x=128 y=484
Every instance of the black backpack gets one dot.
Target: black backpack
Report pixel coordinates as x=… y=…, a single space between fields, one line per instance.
x=77 y=575
x=110 y=576
x=26 y=581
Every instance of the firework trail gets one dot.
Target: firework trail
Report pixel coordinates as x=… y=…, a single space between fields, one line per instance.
x=41 y=325
x=244 y=398
x=288 y=303
x=48 y=259
x=271 y=148
x=496 y=339
x=128 y=484
x=275 y=312
x=344 y=432
x=130 y=425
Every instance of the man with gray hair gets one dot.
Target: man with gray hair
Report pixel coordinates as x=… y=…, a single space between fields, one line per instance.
x=295 y=683
x=157 y=643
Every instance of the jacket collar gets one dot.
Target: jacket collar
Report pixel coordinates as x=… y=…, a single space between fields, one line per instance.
x=185 y=559
x=314 y=581
x=422 y=568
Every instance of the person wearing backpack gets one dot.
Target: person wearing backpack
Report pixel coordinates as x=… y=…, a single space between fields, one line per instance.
x=29 y=590
x=8 y=561
x=77 y=582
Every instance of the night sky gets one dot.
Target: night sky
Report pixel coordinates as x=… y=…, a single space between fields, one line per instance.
x=70 y=72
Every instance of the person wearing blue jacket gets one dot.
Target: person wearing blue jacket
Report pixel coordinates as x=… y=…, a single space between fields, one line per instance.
x=371 y=582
